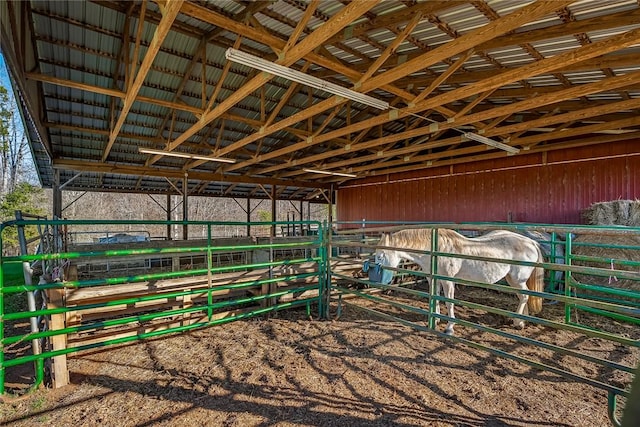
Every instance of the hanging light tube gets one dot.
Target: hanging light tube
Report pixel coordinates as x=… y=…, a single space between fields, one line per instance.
x=348 y=175
x=252 y=61
x=185 y=155
x=491 y=142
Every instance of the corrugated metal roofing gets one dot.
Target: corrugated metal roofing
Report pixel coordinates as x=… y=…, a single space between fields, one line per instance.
x=82 y=45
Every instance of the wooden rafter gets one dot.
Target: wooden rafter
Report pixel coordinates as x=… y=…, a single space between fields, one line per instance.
x=338 y=21
x=468 y=41
x=99 y=167
x=565 y=81
x=171 y=11
x=496 y=112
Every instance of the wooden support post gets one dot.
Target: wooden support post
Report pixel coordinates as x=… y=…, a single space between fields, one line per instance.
x=59 y=371
x=72 y=318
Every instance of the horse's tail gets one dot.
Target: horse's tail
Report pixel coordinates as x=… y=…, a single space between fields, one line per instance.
x=536 y=283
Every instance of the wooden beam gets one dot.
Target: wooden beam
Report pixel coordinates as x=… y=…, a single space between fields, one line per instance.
x=582 y=142
x=605 y=46
x=111 y=92
x=525 y=105
x=469 y=40
x=411 y=25
x=223 y=76
x=479 y=98
x=293 y=88
x=137 y=170
x=308 y=14
x=393 y=19
x=604 y=61
x=598 y=23
x=504 y=25
x=131 y=64
x=552 y=98
x=630 y=104
x=443 y=76
x=171 y=12
x=350 y=12
x=582 y=130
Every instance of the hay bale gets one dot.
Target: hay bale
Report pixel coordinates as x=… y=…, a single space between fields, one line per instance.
x=608 y=253
x=616 y=212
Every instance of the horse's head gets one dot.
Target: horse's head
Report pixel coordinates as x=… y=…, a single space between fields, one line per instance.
x=386 y=258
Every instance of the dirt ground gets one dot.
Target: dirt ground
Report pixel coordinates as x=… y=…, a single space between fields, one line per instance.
x=355 y=371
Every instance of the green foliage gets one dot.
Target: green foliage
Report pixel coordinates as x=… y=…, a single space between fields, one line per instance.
x=26 y=198
x=14 y=276
x=5 y=118
x=264 y=216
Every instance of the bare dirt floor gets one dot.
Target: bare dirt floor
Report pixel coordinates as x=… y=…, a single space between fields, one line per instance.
x=288 y=370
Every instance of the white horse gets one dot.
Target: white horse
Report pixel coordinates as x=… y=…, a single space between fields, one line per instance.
x=498 y=244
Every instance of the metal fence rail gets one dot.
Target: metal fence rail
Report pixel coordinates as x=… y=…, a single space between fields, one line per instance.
x=97 y=295
x=87 y=308
x=586 y=292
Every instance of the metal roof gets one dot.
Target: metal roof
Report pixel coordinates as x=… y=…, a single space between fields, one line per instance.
x=94 y=86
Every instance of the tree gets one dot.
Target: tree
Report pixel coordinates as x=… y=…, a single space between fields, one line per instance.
x=26 y=198
x=14 y=147
x=16 y=193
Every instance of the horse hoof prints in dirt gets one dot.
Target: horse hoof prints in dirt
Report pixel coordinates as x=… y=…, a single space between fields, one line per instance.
x=499 y=244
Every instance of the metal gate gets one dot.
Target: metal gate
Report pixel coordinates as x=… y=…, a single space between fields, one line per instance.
x=592 y=290
x=112 y=282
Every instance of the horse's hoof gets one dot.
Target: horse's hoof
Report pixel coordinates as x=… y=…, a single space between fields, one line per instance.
x=518 y=325
x=448 y=332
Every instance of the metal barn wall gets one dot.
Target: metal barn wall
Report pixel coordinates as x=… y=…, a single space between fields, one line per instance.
x=550 y=188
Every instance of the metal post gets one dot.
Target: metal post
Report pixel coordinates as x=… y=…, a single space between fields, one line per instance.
x=433 y=288
x=302 y=233
x=28 y=280
x=169 y=209
x=185 y=208
x=273 y=210
x=331 y=202
x=567 y=277
x=248 y=217
x=325 y=276
x=57 y=194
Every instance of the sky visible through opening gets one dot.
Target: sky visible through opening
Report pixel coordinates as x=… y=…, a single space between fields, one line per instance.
x=6 y=83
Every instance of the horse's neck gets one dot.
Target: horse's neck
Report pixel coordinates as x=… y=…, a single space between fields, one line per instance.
x=418 y=240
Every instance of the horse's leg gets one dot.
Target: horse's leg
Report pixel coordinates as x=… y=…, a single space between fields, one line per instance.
x=448 y=287
x=522 y=306
x=438 y=292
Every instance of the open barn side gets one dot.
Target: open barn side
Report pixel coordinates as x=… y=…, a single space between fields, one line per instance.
x=147 y=303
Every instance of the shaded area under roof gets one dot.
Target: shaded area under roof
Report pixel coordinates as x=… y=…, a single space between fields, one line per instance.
x=98 y=80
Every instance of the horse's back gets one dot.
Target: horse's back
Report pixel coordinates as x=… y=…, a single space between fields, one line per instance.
x=510 y=245
x=499 y=245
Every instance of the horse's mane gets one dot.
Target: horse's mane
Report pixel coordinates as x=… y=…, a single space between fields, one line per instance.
x=420 y=238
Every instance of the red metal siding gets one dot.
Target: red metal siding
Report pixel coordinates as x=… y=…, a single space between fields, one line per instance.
x=551 y=189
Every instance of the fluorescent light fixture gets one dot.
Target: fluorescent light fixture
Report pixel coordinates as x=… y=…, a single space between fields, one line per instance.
x=185 y=155
x=348 y=175
x=491 y=142
x=252 y=61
